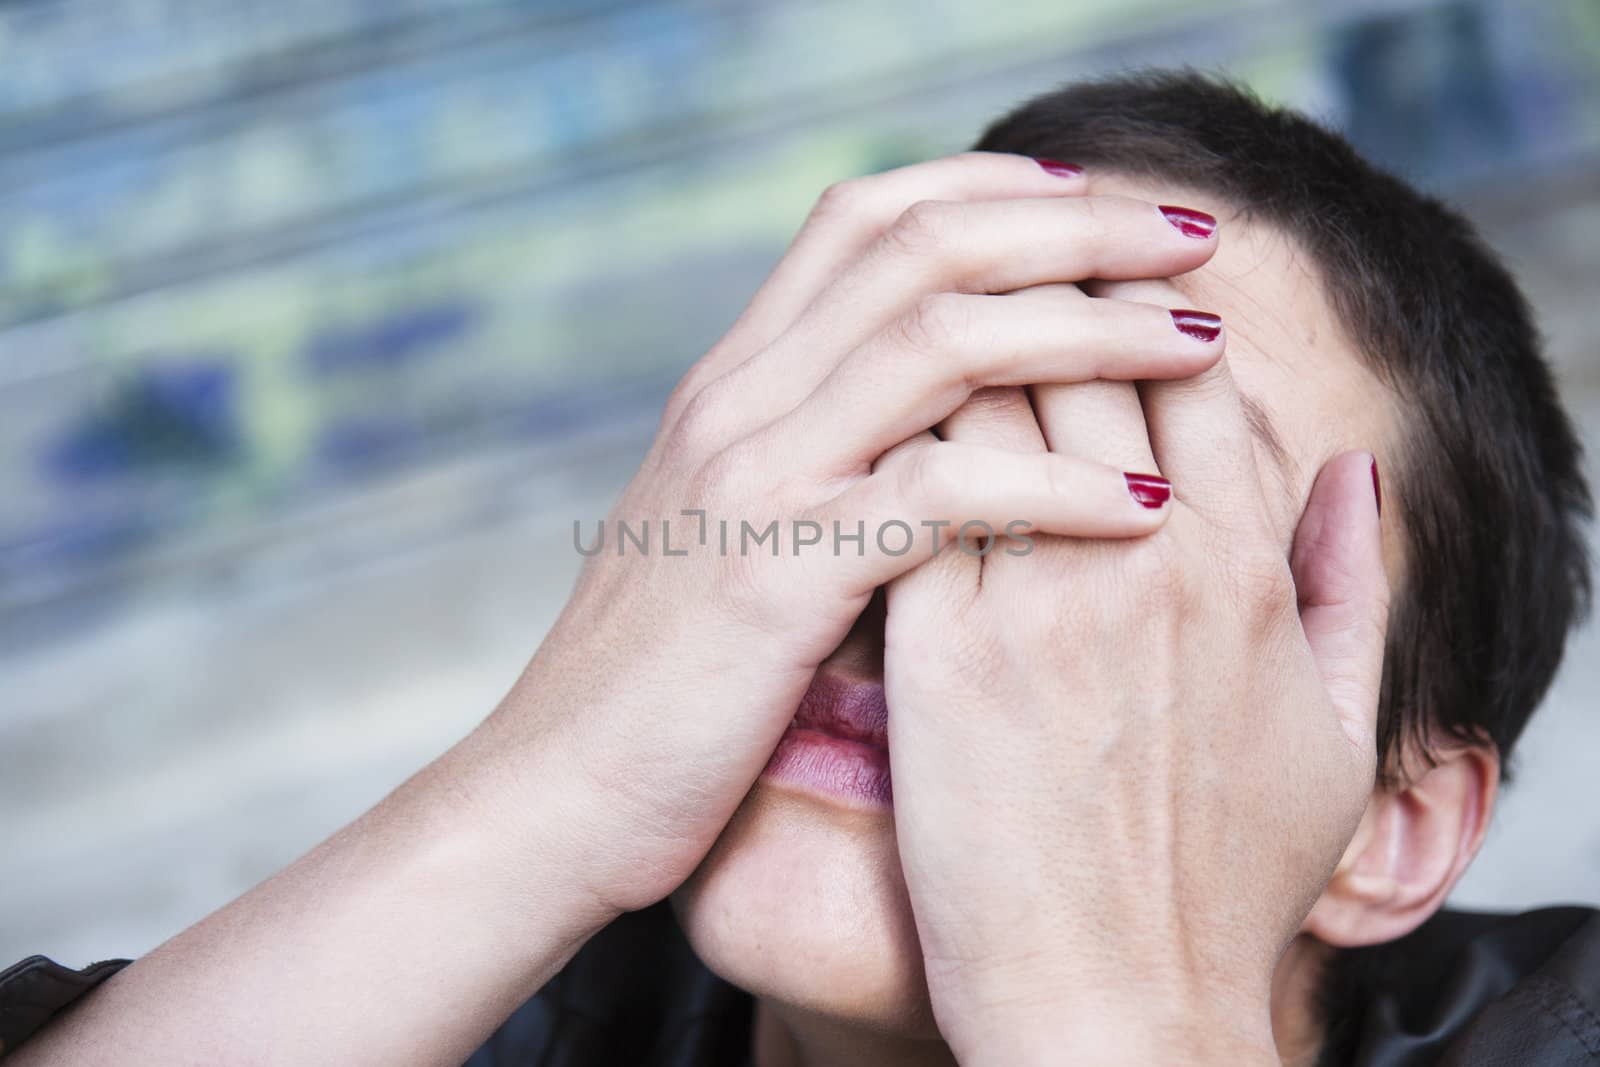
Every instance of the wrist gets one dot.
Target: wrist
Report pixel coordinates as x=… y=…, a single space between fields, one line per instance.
x=513 y=813
x=1037 y=1040
x=548 y=769
x=1101 y=1030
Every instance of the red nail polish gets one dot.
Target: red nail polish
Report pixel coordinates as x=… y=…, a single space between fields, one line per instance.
x=1201 y=325
x=1060 y=169
x=1189 y=222
x=1151 y=490
x=1377 y=490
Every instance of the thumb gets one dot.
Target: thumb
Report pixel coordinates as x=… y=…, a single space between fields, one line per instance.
x=1337 y=563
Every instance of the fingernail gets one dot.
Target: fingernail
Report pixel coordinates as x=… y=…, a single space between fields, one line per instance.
x=1201 y=325
x=1189 y=222
x=1060 y=169
x=1377 y=490
x=1151 y=490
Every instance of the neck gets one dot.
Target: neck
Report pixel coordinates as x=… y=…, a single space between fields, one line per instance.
x=788 y=1037
x=1297 y=1022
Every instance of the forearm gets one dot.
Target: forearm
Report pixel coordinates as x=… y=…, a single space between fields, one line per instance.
x=406 y=938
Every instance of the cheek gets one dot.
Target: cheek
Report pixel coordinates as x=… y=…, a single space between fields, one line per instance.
x=804 y=905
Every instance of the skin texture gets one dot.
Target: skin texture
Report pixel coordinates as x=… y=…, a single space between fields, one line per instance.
x=619 y=769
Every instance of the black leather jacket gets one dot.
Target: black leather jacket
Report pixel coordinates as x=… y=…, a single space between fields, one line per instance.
x=1520 y=990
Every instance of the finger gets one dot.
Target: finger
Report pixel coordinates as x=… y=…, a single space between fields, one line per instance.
x=949 y=493
x=1104 y=420
x=997 y=416
x=1201 y=438
x=1337 y=564
x=1098 y=419
x=851 y=214
x=974 y=247
x=922 y=368
x=950 y=577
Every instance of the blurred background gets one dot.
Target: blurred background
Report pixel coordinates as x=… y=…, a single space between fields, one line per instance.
x=320 y=321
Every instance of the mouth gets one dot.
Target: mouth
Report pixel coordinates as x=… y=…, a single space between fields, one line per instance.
x=837 y=747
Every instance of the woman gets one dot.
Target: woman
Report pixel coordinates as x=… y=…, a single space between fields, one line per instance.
x=911 y=519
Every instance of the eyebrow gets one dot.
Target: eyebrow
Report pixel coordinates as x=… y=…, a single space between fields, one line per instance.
x=1266 y=431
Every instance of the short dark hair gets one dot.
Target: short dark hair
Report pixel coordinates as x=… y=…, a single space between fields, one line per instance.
x=1490 y=489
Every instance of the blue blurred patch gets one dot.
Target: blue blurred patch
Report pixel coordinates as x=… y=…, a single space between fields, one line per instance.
x=166 y=414
x=365 y=441
x=392 y=340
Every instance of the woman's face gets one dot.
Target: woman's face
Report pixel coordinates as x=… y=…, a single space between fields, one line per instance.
x=801 y=900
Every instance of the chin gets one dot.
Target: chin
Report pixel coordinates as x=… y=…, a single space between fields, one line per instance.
x=801 y=903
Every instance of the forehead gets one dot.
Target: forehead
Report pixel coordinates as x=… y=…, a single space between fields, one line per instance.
x=1290 y=356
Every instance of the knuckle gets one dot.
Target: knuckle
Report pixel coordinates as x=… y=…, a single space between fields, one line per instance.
x=689 y=386
x=1213 y=386
x=703 y=421
x=1104 y=222
x=720 y=477
x=928 y=479
x=1133 y=586
x=923 y=229
x=841 y=200
x=997 y=405
x=1059 y=479
x=728 y=356
x=938 y=322
x=891 y=461
x=1097 y=214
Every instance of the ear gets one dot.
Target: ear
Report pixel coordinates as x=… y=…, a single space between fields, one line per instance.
x=1412 y=846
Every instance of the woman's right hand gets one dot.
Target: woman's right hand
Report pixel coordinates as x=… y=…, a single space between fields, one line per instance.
x=668 y=680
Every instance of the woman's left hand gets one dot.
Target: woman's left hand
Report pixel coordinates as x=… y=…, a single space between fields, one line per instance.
x=1124 y=771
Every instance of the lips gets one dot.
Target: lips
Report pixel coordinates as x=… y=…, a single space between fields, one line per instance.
x=837 y=747
x=852 y=711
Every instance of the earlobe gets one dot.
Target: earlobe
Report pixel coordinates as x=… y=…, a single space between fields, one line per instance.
x=1412 y=846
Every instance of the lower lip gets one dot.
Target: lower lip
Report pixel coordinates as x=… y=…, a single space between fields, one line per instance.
x=845 y=771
